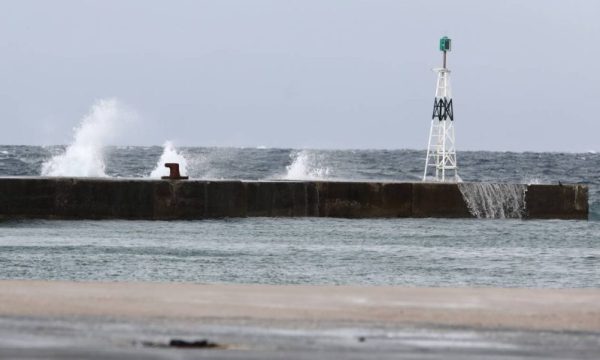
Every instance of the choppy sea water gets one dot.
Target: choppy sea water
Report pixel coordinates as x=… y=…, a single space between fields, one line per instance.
x=420 y=252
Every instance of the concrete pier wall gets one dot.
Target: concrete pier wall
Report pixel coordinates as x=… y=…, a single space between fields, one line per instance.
x=92 y=198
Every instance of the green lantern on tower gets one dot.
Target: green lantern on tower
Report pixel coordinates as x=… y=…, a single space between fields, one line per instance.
x=445 y=44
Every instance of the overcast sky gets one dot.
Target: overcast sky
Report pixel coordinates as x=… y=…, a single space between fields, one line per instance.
x=315 y=74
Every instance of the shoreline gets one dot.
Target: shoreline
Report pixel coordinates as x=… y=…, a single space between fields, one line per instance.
x=478 y=308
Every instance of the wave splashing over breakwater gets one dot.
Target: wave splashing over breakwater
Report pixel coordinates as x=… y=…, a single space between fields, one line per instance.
x=169 y=155
x=494 y=201
x=305 y=166
x=85 y=155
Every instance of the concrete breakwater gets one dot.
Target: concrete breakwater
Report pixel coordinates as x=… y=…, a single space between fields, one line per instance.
x=99 y=198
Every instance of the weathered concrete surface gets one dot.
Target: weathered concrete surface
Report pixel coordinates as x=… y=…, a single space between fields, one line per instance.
x=94 y=198
x=557 y=201
x=364 y=199
x=438 y=200
x=281 y=199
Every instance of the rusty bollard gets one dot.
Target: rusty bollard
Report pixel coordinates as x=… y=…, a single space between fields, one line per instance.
x=174 y=172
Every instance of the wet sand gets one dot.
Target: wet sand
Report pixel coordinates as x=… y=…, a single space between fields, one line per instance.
x=479 y=308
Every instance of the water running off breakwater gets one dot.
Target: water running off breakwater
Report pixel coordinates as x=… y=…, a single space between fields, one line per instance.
x=494 y=201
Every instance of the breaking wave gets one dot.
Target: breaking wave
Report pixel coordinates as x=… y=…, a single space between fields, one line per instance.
x=85 y=155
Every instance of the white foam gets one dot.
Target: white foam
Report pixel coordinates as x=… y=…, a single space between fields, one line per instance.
x=304 y=167
x=169 y=155
x=494 y=201
x=533 y=181
x=85 y=155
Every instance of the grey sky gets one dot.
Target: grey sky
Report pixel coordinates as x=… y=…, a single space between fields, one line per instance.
x=322 y=73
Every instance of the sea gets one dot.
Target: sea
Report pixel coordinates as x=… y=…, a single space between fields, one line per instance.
x=495 y=251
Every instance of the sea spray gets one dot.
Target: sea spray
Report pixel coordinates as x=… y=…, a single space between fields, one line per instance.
x=169 y=155
x=305 y=166
x=494 y=201
x=85 y=155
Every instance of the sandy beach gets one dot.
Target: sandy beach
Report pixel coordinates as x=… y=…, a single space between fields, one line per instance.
x=487 y=308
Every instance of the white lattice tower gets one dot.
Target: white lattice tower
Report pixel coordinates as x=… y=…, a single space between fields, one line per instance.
x=440 y=163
